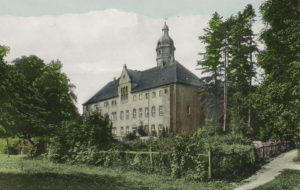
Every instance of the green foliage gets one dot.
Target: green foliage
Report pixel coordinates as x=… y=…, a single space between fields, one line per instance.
x=131 y=136
x=276 y=102
x=186 y=156
x=241 y=47
x=5 y=95
x=212 y=66
x=14 y=146
x=79 y=141
x=36 y=99
x=141 y=131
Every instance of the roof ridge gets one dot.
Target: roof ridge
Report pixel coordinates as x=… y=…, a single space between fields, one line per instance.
x=150 y=78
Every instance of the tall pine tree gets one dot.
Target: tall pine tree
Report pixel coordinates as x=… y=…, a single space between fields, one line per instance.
x=212 y=67
x=240 y=69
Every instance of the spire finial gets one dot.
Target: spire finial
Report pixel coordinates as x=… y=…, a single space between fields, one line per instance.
x=165 y=28
x=166 y=18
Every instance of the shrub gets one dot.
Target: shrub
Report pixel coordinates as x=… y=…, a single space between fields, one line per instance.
x=182 y=156
x=78 y=141
x=131 y=136
x=141 y=131
x=15 y=146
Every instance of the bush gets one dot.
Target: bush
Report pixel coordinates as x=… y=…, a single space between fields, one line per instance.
x=141 y=131
x=16 y=146
x=131 y=136
x=183 y=156
x=78 y=141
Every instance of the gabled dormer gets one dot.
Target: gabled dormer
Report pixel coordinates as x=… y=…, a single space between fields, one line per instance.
x=125 y=85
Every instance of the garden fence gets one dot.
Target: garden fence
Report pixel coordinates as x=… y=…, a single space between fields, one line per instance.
x=150 y=153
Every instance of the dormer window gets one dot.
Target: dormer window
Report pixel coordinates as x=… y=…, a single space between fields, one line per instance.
x=124 y=93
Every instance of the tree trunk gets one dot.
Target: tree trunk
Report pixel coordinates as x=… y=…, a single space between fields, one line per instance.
x=249 y=127
x=225 y=90
x=7 y=144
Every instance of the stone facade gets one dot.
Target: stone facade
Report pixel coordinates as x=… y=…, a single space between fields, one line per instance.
x=166 y=97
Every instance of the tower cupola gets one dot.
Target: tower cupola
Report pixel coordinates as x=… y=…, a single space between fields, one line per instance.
x=165 y=48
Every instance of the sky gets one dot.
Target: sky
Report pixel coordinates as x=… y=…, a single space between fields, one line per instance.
x=94 y=39
x=150 y=8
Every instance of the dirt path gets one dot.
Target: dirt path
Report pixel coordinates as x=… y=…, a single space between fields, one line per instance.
x=270 y=170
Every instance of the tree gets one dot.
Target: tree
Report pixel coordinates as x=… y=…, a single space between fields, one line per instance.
x=277 y=100
x=6 y=109
x=240 y=69
x=39 y=98
x=212 y=66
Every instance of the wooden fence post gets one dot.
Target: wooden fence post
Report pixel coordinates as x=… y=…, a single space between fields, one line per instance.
x=150 y=155
x=209 y=164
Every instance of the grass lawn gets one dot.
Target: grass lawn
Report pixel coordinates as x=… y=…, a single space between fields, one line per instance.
x=19 y=173
x=287 y=180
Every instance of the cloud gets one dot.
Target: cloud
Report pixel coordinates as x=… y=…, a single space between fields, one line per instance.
x=94 y=46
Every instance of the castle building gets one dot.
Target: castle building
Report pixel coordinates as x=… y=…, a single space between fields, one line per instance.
x=163 y=98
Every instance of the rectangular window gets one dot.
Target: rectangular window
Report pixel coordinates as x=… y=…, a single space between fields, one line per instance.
x=96 y=108
x=140 y=96
x=87 y=108
x=147 y=96
x=114 y=131
x=161 y=110
x=153 y=131
x=146 y=112
x=106 y=104
x=122 y=131
x=161 y=130
x=114 y=116
x=134 y=97
x=140 y=112
x=188 y=110
x=153 y=94
x=153 y=111
x=127 y=130
x=134 y=113
x=122 y=115
x=124 y=93
x=160 y=92
x=146 y=128
x=166 y=91
x=134 y=128
x=127 y=114
x=113 y=102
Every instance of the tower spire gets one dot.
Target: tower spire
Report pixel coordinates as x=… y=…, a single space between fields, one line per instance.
x=165 y=48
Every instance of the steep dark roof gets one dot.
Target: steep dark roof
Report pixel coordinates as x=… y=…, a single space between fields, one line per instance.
x=151 y=78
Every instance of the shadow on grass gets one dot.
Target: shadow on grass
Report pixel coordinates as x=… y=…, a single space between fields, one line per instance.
x=51 y=181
